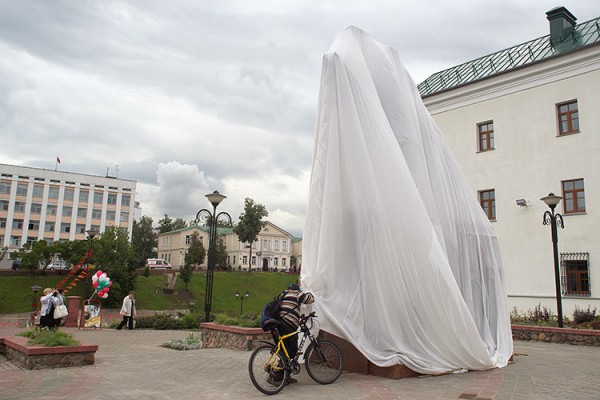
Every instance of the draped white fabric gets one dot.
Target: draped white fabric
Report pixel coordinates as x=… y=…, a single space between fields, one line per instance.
x=402 y=260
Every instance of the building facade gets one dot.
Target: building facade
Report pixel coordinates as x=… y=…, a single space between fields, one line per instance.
x=40 y=204
x=274 y=249
x=522 y=123
x=172 y=246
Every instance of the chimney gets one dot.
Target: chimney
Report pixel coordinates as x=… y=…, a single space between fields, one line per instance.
x=562 y=23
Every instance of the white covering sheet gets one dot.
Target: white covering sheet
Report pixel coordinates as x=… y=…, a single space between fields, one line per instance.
x=397 y=250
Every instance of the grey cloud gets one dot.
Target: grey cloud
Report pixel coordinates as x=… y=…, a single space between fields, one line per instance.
x=187 y=97
x=181 y=186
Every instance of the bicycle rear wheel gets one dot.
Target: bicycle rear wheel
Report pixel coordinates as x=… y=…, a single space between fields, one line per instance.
x=323 y=362
x=267 y=371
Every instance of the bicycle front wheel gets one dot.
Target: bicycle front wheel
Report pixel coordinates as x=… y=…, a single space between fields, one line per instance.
x=267 y=371
x=323 y=362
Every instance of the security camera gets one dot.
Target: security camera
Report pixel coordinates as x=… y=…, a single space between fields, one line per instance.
x=522 y=202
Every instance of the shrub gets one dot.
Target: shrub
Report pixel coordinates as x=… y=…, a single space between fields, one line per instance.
x=49 y=337
x=539 y=316
x=190 y=321
x=191 y=342
x=146 y=271
x=164 y=321
x=248 y=321
x=582 y=316
x=515 y=317
x=112 y=324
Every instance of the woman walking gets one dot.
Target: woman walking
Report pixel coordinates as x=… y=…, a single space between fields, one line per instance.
x=127 y=311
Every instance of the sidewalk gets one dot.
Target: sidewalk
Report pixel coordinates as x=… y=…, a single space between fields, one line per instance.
x=132 y=365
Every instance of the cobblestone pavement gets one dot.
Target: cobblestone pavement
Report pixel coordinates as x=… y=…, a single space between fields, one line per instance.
x=133 y=365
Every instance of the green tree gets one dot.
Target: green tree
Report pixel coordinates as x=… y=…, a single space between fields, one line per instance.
x=194 y=256
x=196 y=251
x=220 y=224
x=143 y=241
x=165 y=224
x=221 y=254
x=35 y=255
x=179 y=223
x=112 y=253
x=168 y=224
x=186 y=273
x=71 y=251
x=250 y=224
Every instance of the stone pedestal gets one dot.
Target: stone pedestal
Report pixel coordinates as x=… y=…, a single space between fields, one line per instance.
x=73 y=306
x=354 y=361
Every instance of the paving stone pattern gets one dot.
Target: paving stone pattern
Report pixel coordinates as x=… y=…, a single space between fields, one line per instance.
x=133 y=365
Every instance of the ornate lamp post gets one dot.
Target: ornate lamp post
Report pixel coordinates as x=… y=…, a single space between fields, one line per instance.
x=215 y=198
x=555 y=220
x=36 y=288
x=88 y=260
x=241 y=298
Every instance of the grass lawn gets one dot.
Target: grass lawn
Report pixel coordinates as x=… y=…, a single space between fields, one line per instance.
x=262 y=286
x=16 y=294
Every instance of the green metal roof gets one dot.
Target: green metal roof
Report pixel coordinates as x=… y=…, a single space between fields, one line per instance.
x=583 y=34
x=220 y=230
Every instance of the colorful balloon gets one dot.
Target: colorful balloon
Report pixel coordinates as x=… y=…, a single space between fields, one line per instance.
x=101 y=283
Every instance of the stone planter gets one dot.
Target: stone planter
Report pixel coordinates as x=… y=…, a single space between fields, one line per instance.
x=582 y=337
x=15 y=348
x=216 y=336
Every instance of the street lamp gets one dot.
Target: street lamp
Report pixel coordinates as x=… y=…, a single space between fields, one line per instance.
x=555 y=220
x=88 y=259
x=36 y=288
x=241 y=298
x=212 y=218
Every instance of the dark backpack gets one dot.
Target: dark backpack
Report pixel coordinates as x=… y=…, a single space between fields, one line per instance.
x=271 y=312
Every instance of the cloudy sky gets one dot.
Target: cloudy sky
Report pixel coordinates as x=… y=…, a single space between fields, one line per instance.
x=191 y=96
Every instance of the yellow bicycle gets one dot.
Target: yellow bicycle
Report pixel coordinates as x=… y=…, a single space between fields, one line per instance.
x=270 y=365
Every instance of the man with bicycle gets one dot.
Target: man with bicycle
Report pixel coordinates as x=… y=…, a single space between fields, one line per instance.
x=270 y=366
x=289 y=314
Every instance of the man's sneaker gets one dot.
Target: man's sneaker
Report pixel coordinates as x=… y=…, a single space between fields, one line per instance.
x=292 y=380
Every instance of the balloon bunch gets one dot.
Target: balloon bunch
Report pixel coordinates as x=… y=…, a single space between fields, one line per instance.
x=101 y=283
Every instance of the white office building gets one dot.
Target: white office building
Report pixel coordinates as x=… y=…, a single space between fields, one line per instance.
x=41 y=204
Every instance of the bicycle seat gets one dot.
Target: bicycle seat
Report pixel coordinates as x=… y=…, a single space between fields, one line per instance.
x=270 y=324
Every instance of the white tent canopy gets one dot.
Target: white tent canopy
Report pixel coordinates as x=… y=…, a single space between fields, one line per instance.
x=398 y=252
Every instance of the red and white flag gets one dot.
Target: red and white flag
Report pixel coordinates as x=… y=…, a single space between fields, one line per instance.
x=58 y=159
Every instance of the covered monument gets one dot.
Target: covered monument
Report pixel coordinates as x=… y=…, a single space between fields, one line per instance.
x=398 y=252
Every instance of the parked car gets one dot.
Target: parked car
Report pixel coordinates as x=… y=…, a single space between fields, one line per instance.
x=57 y=266
x=157 y=263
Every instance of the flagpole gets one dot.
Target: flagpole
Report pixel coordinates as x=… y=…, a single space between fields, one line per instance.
x=56 y=165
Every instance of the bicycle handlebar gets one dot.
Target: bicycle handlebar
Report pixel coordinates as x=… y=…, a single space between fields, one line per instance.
x=305 y=318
